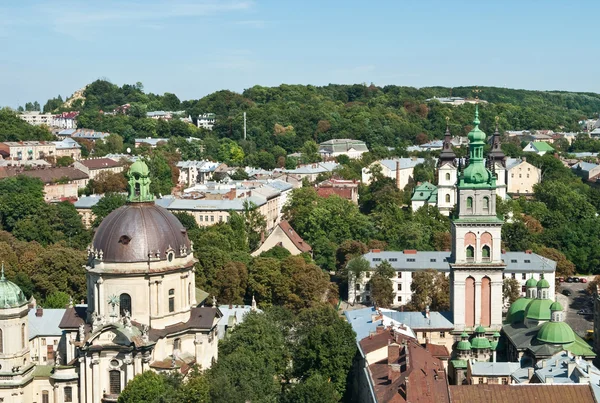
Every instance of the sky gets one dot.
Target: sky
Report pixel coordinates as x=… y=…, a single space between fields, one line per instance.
x=195 y=47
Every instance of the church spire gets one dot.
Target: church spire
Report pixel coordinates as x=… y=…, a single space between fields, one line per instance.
x=496 y=154
x=476 y=174
x=447 y=154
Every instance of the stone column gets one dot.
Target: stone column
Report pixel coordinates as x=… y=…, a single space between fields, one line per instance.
x=198 y=347
x=100 y=307
x=160 y=298
x=128 y=360
x=56 y=393
x=150 y=302
x=458 y=302
x=137 y=363
x=497 y=300
x=193 y=302
x=96 y=385
x=477 y=302
x=89 y=382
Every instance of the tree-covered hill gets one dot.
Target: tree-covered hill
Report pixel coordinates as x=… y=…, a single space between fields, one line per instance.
x=12 y=128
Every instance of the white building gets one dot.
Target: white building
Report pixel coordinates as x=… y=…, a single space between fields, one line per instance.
x=336 y=147
x=192 y=172
x=521 y=176
x=538 y=147
x=207 y=120
x=37 y=118
x=400 y=169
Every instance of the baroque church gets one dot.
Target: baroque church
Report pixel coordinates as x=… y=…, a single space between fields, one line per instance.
x=141 y=311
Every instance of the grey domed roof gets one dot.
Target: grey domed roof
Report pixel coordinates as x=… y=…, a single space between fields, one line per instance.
x=136 y=231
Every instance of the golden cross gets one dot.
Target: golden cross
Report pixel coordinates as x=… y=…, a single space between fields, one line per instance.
x=477 y=91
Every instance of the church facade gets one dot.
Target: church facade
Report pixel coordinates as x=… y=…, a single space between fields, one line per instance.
x=141 y=312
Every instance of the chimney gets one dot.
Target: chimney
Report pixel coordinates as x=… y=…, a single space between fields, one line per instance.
x=549 y=379
x=524 y=159
x=410 y=251
x=379 y=329
x=543 y=363
x=398 y=174
x=39 y=312
x=528 y=251
x=393 y=353
x=530 y=372
x=427 y=311
x=570 y=368
x=375 y=250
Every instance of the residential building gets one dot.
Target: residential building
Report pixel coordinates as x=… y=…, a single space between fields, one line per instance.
x=346 y=189
x=401 y=170
x=44 y=334
x=310 y=171
x=456 y=101
x=539 y=147
x=84 y=207
x=233 y=315
x=24 y=163
x=333 y=148
x=67 y=148
x=37 y=118
x=65 y=120
x=164 y=115
x=60 y=183
x=424 y=194
x=586 y=171
x=27 y=150
x=284 y=236
x=521 y=393
x=192 y=172
x=94 y=166
x=498 y=373
x=152 y=142
x=518 y=265
x=207 y=120
x=82 y=134
x=521 y=177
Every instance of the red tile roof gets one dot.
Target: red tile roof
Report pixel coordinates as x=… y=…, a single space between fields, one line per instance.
x=100 y=163
x=344 y=193
x=521 y=393
x=294 y=237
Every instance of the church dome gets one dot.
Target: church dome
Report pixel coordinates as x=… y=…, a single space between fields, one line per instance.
x=140 y=231
x=137 y=231
x=543 y=283
x=480 y=343
x=531 y=283
x=556 y=333
x=516 y=312
x=556 y=306
x=11 y=295
x=464 y=344
x=538 y=309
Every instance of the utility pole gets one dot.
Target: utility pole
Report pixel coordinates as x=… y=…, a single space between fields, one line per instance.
x=244 y=125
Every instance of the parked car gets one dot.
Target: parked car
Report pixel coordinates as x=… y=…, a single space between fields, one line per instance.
x=583 y=280
x=561 y=279
x=569 y=279
x=567 y=292
x=584 y=312
x=576 y=279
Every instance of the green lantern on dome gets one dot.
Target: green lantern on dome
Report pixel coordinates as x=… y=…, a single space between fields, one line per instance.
x=476 y=175
x=11 y=295
x=138 y=178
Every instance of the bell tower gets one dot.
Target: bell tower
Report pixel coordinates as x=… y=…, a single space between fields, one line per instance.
x=476 y=261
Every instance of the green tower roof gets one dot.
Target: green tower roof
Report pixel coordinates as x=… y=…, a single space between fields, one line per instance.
x=494 y=345
x=516 y=312
x=11 y=295
x=476 y=175
x=463 y=345
x=556 y=306
x=538 y=309
x=531 y=283
x=556 y=333
x=480 y=329
x=480 y=343
x=543 y=283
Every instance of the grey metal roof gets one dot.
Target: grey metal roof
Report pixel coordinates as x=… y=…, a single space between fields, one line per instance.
x=516 y=262
x=418 y=321
x=584 y=166
x=87 y=201
x=45 y=325
x=404 y=163
x=494 y=368
x=208 y=205
x=280 y=185
x=203 y=166
x=316 y=168
x=66 y=144
x=237 y=312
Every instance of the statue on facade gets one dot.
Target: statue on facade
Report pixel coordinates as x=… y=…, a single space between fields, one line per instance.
x=145 y=336
x=214 y=301
x=126 y=319
x=57 y=358
x=81 y=332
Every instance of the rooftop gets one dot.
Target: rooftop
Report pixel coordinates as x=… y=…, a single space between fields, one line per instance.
x=521 y=393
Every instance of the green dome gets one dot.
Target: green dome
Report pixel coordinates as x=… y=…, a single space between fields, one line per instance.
x=139 y=167
x=543 y=283
x=480 y=329
x=464 y=344
x=538 y=309
x=11 y=295
x=556 y=333
x=476 y=174
x=496 y=334
x=516 y=312
x=476 y=134
x=531 y=283
x=480 y=343
x=494 y=345
x=556 y=306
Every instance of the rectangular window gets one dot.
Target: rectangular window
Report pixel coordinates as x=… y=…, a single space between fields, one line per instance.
x=201 y=218
x=513 y=260
x=171 y=304
x=377 y=259
x=68 y=394
x=393 y=259
x=513 y=275
x=399 y=298
x=527 y=261
x=512 y=175
x=424 y=335
x=368 y=287
x=432 y=260
x=523 y=276
x=220 y=219
x=399 y=287
x=206 y=218
x=43 y=341
x=410 y=260
x=399 y=274
x=504 y=381
x=212 y=218
x=523 y=288
x=481 y=381
x=368 y=274
x=114 y=382
x=442 y=335
x=357 y=287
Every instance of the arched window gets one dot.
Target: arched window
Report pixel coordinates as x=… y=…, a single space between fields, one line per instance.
x=23 y=335
x=469 y=202
x=447 y=176
x=124 y=304
x=486 y=203
x=114 y=381
x=485 y=252
x=470 y=252
x=176 y=344
x=45 y=397
x=447 y=198
x=171 y=300
x=68 y=394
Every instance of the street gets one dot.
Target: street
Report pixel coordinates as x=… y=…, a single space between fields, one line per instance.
x=579 y=299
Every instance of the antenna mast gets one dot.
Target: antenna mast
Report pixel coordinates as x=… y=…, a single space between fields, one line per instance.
x=244 y=125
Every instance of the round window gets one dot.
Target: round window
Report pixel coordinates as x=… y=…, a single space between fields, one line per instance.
x=170 y=256
x=114 y=363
